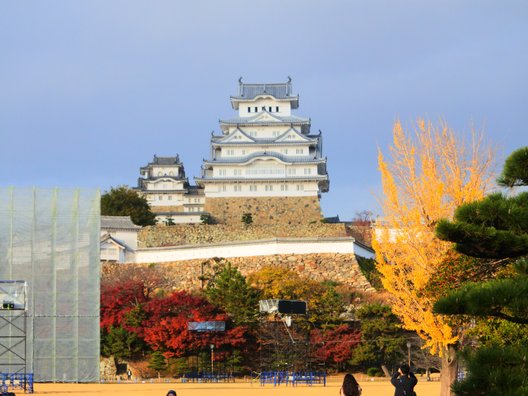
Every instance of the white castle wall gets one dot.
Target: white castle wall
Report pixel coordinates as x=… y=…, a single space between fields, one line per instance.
x=266 y=247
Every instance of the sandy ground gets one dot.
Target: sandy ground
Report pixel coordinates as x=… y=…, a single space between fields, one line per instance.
x=378 y=388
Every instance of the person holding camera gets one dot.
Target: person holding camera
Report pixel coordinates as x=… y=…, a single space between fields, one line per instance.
x=404 y=381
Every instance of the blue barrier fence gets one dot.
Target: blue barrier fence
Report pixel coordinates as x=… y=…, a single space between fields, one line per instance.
x=207 y=377
x=22 y=381
x=292 y=378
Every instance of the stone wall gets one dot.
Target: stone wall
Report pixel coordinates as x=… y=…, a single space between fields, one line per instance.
x=198 y=234
x=161 y=209
x=186 y=275
x=265 y=210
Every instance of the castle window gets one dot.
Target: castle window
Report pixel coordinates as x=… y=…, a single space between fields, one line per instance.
x=307 y=171
x=277 y=109
x=269 y=108
x=222 y=172
x=264 y=108
x=237 y=172
x=276 y=133
x=237 y=187
x=224 y=188
x=300 y=187
x=160 y=197
x=285 y=151
x=299 y=151
x=243 y=152
x=230 y=152
x=256 y=109
x=249 y=109
x=253 y=187
x=269 y=187
x=292 y=171
x=169 y=197
x=284 y=187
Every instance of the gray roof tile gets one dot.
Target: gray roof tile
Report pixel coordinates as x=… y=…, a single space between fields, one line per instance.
x=277 y=90
x=118 y=222
x=292 y=119
x=285 y=158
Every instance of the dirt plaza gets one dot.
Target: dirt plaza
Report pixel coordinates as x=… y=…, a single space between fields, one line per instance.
x=147 y=388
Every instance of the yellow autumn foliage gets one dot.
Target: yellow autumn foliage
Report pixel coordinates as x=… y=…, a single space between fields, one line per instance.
x=430 y=173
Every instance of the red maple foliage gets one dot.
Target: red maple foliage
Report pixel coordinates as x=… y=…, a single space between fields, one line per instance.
x=166 y=326
x=335 y=345
x=117 y=300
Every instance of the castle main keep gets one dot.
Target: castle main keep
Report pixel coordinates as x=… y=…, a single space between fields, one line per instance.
x=265 y=162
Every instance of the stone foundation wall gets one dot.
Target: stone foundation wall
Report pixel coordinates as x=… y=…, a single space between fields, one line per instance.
x=265 y=210
x=197 y=234
x=161 y=209
x=185 y=275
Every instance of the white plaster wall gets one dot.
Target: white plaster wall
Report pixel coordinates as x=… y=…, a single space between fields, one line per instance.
x=245 y=249
x=264 y=169
x=363 y=252
x=165 y=170
x=110 y=252
x=154 y=199
x=284 y=107
x=291 y=150
x=129 y=237
x=215 y=190
x=164 y=184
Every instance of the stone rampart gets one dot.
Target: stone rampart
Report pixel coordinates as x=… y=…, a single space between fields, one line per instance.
x=265 y=210
x=187 y=275
x=199 y=234
x=164 y=209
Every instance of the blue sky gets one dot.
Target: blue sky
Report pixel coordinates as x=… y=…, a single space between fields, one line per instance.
x=90 y=91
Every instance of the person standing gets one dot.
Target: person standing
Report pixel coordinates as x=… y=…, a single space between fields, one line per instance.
x=129 y=374
x=404 y=381
x=350 y=386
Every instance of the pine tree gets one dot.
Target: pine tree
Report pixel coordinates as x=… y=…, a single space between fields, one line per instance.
x=158 y=362
x=229 y=290
x=495 y=227
x=382 y=337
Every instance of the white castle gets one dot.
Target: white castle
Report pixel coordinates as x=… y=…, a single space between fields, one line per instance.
x=263 y=154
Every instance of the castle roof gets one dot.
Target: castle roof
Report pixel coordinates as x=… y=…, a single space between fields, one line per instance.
x=273 y=119
x=118 y=223
x=163 y=161
x=280 y=139
x=266 y=154
x=279 y=91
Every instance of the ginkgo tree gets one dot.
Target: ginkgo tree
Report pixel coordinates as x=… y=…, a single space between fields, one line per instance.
x=429 y=173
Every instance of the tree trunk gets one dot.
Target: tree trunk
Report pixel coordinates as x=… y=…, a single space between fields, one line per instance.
x=449 y=370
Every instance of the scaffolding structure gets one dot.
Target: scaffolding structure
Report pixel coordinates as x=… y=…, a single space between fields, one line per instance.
x=13 y=337
x=50 y=238
x=286 y=355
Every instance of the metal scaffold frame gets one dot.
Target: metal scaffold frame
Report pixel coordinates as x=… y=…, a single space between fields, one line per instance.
x=13 y=336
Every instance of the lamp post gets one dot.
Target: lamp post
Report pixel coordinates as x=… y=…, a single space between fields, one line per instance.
x=409 y=353
x=212 y=360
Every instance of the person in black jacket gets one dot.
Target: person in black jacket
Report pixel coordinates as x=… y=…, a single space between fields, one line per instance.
x=404 y=381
